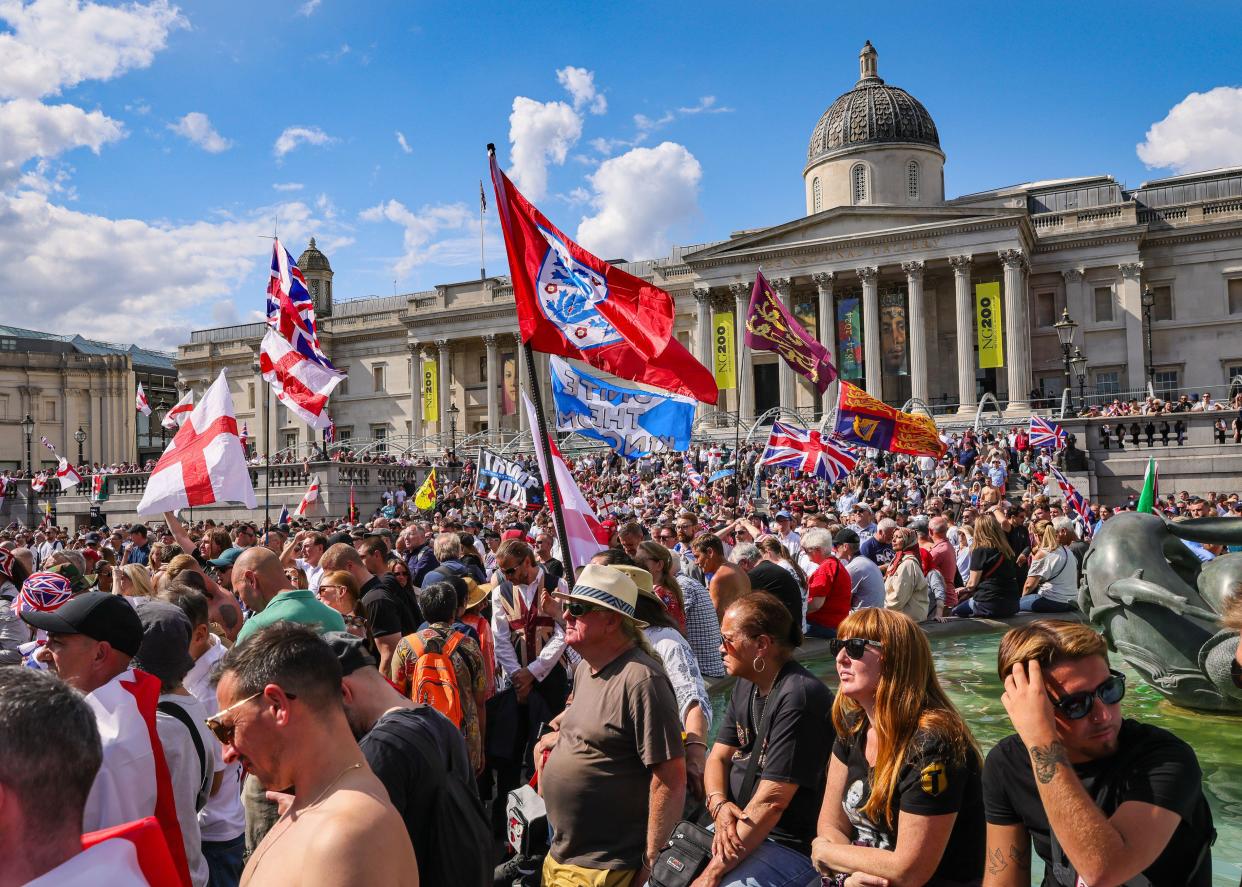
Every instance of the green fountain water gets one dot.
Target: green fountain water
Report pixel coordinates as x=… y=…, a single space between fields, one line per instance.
x=967 y=668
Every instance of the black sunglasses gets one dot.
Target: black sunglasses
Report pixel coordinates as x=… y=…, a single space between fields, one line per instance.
x=855 y=648
x=1235 y=672
x=1078 y=705
x=578 y=609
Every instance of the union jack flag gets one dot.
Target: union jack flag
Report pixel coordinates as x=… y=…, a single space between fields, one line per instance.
x=806 y=451
x=290 y=309
x=1074 y=500
x=47 y=443
x=283 y=519
x=1045 y=434
x=329 y=433
x=696 y=479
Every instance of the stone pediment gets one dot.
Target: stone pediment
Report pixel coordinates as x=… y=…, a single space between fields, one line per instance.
x=852 y=224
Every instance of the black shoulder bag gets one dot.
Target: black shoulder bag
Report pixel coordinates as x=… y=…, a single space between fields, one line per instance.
x=689 y=847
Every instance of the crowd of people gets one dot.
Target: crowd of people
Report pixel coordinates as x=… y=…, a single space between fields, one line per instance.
x=341 y=702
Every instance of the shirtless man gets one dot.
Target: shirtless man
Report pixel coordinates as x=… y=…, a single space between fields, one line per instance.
x=282 y=716
x=725 y=582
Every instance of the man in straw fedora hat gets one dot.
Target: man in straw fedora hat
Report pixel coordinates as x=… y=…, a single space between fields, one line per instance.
x=618 y=747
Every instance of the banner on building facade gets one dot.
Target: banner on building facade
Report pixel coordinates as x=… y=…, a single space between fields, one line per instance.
x=894 y=334
x=503 y=480
x=724 y=340
x=508 y=384
x=849 y=338
x=431 y=391
x=989 y=325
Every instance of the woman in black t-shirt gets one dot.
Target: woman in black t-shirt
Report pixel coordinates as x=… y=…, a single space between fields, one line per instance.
x=904 y=799
x=993 y=588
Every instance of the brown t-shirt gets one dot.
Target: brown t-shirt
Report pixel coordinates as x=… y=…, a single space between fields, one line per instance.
x=597 y=780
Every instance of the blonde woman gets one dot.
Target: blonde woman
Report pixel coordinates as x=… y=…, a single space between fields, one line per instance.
x=993 y=587
x=133 y=580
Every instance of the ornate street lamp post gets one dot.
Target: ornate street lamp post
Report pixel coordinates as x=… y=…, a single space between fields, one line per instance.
x=1079 y=360
x=28 y=429
x=80 y=437
x=1065 y=335
x=452 y=414
x=161 y=410
x=1148 y=300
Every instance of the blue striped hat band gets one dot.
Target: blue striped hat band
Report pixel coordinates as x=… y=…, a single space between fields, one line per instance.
x=604 y=597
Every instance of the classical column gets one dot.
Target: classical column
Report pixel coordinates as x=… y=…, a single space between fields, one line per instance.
x=446 y=386
x=1017 y=330
x=745 y=360
x=965 y=334
x=523 y=382
x=260 y=410
x=1131 y=293
x=916 y=330
x=493 y=388
x=703 y=333
x=873 y=363
x=824 y=281
x=789 y=394
x=416 y=389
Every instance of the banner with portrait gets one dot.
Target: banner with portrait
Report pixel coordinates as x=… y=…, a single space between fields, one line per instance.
x=849 y=337
x=989 y=325
x=508 y=383
x=724 y=342
x=431 y=391
x=894 y=358
x=503 y=480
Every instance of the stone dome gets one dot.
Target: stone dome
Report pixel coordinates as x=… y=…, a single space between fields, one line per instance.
x=312 y=259
x=872 y=113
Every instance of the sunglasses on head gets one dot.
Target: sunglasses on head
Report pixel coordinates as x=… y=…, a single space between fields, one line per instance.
x=578 y=609
x=1076 y=706
x=855 y=648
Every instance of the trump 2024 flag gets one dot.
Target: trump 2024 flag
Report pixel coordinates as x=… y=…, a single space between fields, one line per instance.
x=573 y=304
x=204 y=463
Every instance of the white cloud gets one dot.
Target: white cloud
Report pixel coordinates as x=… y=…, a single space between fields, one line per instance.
x=30 y=129
x=53 y=44
x=405 y=146
x=138 y=106
x=198 y=129
x=288 y=186
x=540 y=133
x=297 y=135
x=639 y=197
x=335 y=55
x=707 y=105
x=308 y=8
x=580 y=84
x=422 y=241
x=1202 y=131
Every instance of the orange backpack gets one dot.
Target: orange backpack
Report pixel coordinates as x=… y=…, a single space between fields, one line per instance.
x=435 y=679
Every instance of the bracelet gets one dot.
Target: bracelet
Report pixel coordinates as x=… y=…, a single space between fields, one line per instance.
x=697 y=742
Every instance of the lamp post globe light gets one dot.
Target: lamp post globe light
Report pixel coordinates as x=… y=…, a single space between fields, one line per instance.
x=1079 y=361
x=80 y=437
x=28 y=429
x=452 y=414
x=161 y=410
x=1065 y=335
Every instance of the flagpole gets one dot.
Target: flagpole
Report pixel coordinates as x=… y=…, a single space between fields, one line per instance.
x=482 y=261
x=267 y=461
x=544 y=443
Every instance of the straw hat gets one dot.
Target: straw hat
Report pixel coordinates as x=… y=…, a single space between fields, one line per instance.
x=642 y=579
x=476 y=593
x=609 y=588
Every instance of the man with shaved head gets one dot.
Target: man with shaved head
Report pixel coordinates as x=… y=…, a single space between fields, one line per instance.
x=260 y=580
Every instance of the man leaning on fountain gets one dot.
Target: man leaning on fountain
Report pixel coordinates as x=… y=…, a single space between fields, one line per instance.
x=1105 y=800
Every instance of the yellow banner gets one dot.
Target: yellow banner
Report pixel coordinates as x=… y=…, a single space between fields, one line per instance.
x=431 y=391
x=724 y=344
x=989 y=325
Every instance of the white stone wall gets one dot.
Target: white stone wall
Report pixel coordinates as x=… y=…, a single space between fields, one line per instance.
x=887 y=177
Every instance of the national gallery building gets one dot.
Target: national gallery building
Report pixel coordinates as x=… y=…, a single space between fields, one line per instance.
x=915 y=295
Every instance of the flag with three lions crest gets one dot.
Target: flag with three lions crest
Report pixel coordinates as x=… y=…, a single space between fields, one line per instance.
x=863 y=420
x=573 y=304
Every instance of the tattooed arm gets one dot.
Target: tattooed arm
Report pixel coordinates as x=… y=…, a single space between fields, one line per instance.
x=1008 y=861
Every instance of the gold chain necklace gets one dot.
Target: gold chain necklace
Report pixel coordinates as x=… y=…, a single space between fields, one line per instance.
x=320 y=797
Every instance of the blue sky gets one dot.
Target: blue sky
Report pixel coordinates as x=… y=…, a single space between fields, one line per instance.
x=141 y=150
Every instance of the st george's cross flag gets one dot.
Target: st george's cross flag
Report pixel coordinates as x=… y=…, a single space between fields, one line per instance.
x=180 y=411
x=291 y=356
x=205 y=462
x=309 y=497
x=68 y=475
x=140 y=401
x=1046 y=435
x=581 y=524
x=38 y=482
x=808 y=452
x=573 y=304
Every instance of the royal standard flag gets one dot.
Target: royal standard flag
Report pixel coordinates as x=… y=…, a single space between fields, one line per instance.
x=425 y=499
x=863 y=420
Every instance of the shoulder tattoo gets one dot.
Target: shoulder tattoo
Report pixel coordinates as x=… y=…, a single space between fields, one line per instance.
x=1046 y=758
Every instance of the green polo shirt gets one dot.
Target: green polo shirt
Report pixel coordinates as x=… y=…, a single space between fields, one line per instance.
x=297 y=605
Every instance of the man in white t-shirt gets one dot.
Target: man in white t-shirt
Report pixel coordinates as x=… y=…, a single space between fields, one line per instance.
x=310 y=546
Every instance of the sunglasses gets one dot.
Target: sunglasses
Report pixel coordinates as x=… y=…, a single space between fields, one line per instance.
x=578 y=609
x=855 y=648
x=1076 y=706
x=221 y=730
x=509 y=571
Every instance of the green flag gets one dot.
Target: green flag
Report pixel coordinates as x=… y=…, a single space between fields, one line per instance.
x=1147 y=499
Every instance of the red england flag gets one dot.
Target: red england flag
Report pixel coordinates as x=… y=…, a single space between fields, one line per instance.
x=204 y=463
x=140 y=401
x=69 y=477
x=312 y=493
x=38 y=482
x=301 y=384
x=573 y=304
x=178 y=414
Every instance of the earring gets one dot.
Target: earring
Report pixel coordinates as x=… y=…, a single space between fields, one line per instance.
x=759 y=664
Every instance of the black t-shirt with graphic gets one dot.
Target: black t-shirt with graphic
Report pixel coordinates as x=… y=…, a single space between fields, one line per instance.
x=932 y=782
x=795 y=750
x=1151 y=765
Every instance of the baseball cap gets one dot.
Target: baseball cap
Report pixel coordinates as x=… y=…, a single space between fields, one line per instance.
x=513 y=534
x=93 y=538
x=227 y=558
x=96 y=614
x=351 y=651
x=844 y=535
x=166 y=632
x=783 y=515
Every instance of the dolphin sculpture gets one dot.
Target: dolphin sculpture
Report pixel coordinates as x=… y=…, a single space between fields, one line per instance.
x=1159 y=606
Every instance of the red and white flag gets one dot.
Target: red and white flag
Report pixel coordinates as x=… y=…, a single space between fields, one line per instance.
x=581 y=524
x=312 y=494
x=38 y=482
x=140 y=401
x=301 y=384
x=178 y=414
x=69 y=477
x=205 y=462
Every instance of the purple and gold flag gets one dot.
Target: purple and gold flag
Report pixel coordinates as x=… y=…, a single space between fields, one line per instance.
x=770 y=327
